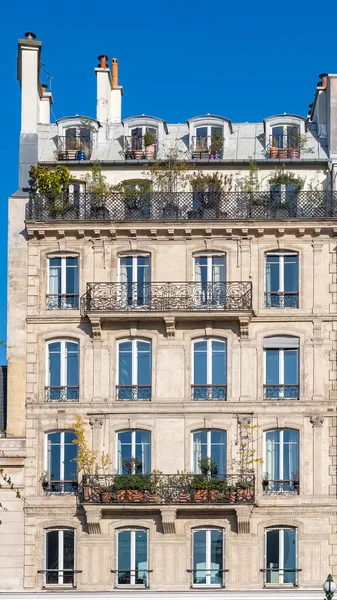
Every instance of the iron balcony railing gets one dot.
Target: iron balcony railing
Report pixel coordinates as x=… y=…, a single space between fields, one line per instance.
x=59 y=488
x=280 y=576
x=281 y=299
x=60 y=577
x=284 y=391
x=281 y=487
x=62 y=301
x=285 y=146
x=182 y=206
x=73 y=148
x=132 y=577
x=133 y=392
x=62 y=393
x=161 y=297
x=154 y=488
x=209 y=392
x=135 y=149
x=207 y=147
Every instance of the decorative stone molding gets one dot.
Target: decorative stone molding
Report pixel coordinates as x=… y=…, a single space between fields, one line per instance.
x=170 y=324
x=168 y=517
x=244 y=330
x=96 y=422
x=243 y=514
x=96 y=328
x=245 y=419
x=317 y=421
x=93 y=515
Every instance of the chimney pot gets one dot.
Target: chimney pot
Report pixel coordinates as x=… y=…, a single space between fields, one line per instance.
x=323 y=77
x=103 y=58
x=44 y=86
x=29 y=35
x=114 y=69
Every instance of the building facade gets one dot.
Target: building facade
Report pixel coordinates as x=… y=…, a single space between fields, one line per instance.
x=183 y=310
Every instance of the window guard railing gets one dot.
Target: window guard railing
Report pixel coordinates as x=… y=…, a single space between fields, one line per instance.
x=72 y=572
x=284 y=146
x=62 y=301
x=281 y=572
x=209 y=392
x=133 y=392
x=62 y=393
x=166 y=296
x=180 y=488
x=281 y=299
x=182 y=206
x=60 y=487
x=284 y=391
x=208 y=572
x=145 y=584
x=73 y=148
x=135 y=149
x=207 y=146
x=281 y=487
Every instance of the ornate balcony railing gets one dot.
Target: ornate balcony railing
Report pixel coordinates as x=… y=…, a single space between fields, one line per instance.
x=285 y=391
x=73 y=148
x=209 y=392
x=133 y=392
x=281 y=487
x=154 y=488
x=62 y=393
x=281 y=299
x=182 y=206
x=62 y=301
x=162 y=297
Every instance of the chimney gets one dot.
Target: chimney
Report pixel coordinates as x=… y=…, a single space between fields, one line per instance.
x=323 y=78
x=46 y=100
x=116 y=94
x=28 y=75
x=103 y=89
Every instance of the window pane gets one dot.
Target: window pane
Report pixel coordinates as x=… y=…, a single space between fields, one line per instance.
x=216 y=557
x=124 y=449
x=52 y=554
x=125 y=363
x=218 y=268
x=289 y=555
x=199 y=557
x=272 y=273
x=290 y=454
x=70 y=453
x=199 y=448
x=291 y=274
x=143 y=451
x=218 y=363
x=68 y=555
x=54 y=350
x=272 y=461
x=72 y=363
x=218 y=450
x=200 y=362
x=277 y=135
x=272 y=366
x=290 y=366
x=201 y=131
x=201 y=268
x=141 y=557
x=273 y=556
x=54 y=456
x=71 y=276
x=124 y=560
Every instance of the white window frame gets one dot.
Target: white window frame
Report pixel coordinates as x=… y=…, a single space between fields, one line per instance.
x=209 y=446
x=134 y=363
x=281 y=447
x=281 y=553
x=133 y=446
x=209 y=257
x=281 y=365
x=281 y=256
x=133 y=555
x=208 y=557
x=60 y=531
x=63 y=267
x=62 y=451
x=63 y=360
x=209 y=358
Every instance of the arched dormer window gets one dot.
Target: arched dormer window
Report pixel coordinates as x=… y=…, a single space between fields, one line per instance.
x=76 y=138
x=142 y=136
x=208 y=136
x=285 y=136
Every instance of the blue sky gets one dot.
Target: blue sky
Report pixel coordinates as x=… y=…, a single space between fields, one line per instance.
x=177 y=59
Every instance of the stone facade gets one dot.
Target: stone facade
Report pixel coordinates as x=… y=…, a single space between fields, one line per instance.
x=172 y=415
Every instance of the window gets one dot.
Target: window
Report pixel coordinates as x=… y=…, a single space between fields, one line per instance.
x=62 y=282
x=62 y=371
x=281 y=461
x=134 y=452
x=281 y=280
x=281 y=555
x=60 y=464
x=209 y=443
x=281 y=368
x=285 y=141
x=210 y=278
x=135 y=277
x=142 y=143
x=77 y=144
x=132 y=557
x=207 y=550
x=209 y=370
x=134 y=370
x=59 y=557
x=208 y=140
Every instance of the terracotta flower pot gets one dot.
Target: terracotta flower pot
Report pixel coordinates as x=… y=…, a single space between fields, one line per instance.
x=201 y=496
x=294 y=153
x=138 y=154
x=149 y=152
x=130 y=496
x=273 y=152
x=282 y=154
x=184 y=497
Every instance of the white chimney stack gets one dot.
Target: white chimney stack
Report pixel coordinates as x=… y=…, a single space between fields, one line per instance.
x=28 y=76
x=46 y=100
x=103 y=89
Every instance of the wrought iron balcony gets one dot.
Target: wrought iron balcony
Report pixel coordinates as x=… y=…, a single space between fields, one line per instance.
x=62 y=301
x=161 y=297
x=135 y=149
x=285 y=391
x=182 y=206
x=281 y=487
x=281 y=299
x=73 y=148
x=209 y=392
x=62 y=393
x=207 y=147
x=154 y=488
x=133 y=392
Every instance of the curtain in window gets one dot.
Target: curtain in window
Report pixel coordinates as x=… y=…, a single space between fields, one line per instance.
x=289 y=555
x=272 y=460
x=199 y=440
x=54 y=283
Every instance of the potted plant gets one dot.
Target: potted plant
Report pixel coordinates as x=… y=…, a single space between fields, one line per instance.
x=149 y=141
x=154 y=493
x=217 y=142
x=296 y=482
x=298 y=143
x=131 y=486
x=180 y=484
x=137 y=146
x=97 y=189
x=45 y=479
x=265 y=482
x=136 y=196
x=52 y=185
x=274 y=148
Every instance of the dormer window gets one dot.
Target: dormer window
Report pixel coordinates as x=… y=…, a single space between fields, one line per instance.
x=76 y=138
x=285 y=141
x=208 y=142
x=142 y=143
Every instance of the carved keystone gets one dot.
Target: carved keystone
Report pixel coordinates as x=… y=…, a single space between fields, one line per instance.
x=243 y=514
x=168 y=517
x=94 y=515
